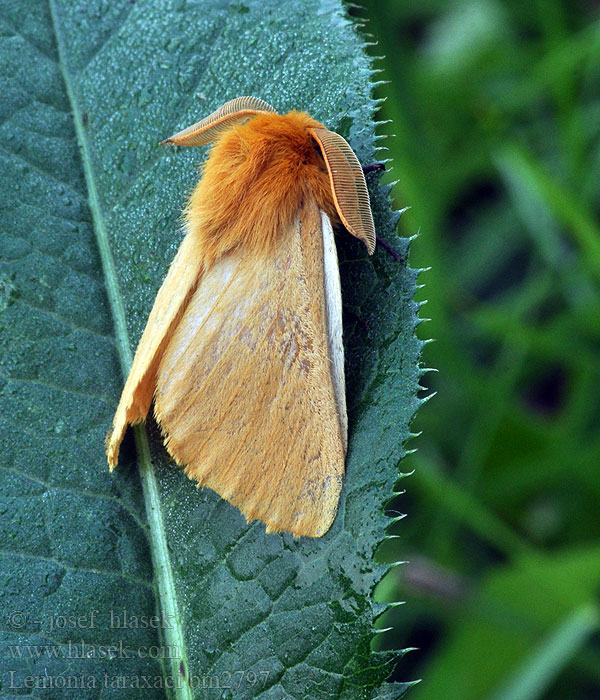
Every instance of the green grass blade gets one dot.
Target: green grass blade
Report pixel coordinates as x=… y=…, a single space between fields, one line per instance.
x=538 y=671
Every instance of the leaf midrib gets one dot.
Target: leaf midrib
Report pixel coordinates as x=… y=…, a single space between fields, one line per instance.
x=163 y=572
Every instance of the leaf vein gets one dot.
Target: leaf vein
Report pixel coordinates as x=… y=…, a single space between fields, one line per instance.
x=41 y=171
x=17 y=34
x=63 y=319
x=163 y=571
x=77 y=569
x=80 y=492
x=106 y=41
x=55 y=387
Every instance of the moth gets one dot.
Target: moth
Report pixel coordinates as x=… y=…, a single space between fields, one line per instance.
x=242 y=353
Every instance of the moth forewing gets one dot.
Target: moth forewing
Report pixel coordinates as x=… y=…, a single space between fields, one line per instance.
x=246 y=394
x=333 y=297
x=137 y=394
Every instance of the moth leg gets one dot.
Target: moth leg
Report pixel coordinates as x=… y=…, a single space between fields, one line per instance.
x=392 y=251
x=373 y=167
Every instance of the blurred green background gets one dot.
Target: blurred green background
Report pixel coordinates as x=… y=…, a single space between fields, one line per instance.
x=495 y=107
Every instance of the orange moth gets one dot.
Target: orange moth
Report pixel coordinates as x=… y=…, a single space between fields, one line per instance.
x=242 y=352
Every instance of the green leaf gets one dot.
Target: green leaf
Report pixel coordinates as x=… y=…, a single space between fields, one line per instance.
x=542 y=666
x=532 y=615
x=90 y=217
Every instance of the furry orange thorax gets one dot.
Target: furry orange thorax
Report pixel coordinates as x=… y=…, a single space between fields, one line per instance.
x=256 y=177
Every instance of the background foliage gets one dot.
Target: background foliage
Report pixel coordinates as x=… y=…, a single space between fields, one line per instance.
x=496 y=111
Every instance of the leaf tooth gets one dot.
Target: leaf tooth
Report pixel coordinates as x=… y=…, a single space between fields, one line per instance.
x=405 y=651
x=379 y=148
x=397 y=518
x=380 y=609
x=426 y=370
x=427 y=398
x=385 y=538
x=376 y=59
x=399 y=562
x=396 y=603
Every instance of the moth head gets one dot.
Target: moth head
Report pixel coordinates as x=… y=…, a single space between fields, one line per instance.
x=346 y=177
